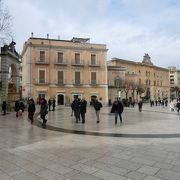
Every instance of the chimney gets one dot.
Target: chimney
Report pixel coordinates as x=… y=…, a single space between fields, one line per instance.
x=32 y=34
x=47 y=36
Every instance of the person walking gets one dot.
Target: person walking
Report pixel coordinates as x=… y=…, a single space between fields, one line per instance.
x=4 y=107
x=118 y=109
x=140 y=104
x=97 y=107
x=178 y=105
x=53 y=104
x=17 y=107
x=76 y=108
x=83 y=104
x=31 y=110
x=49 y=104
x=44 y=111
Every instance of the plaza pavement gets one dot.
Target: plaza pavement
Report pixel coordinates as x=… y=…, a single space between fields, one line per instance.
x=145 y=146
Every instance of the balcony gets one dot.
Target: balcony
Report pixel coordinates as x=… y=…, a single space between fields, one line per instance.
x=77 y=63
x=42 y=61
x=60 y=62
x=77 y=82
x=94 y=82
x=60 y=83
x=41 y=82
x=94 y=64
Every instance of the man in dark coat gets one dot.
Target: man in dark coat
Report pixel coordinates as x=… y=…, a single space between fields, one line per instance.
x=76 y=108
x=4 y=107
x=31 y=110
x=83 y=104
x=118 y=109
x=97 y=107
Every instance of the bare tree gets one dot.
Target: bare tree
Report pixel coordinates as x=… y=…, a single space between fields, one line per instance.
x=5 y=23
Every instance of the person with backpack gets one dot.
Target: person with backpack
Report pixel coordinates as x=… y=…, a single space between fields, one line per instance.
x=97 y=107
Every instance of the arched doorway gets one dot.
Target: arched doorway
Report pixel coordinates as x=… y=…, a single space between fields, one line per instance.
x=60 y=99
x=9 y=73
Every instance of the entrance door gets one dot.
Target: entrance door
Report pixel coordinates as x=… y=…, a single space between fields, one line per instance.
x=93 y=99
x=60 y=99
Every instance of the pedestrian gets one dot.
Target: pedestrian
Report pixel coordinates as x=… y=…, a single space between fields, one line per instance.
x=97 y=107
x=83 y=104
x=49 y=104
x=54 y=104
x=4 y=107
x=118 y=109
x=17 y=107
x=44 y=111
x=140 y=104
x=21 y=106
x=31 y=110
x=178 y=105
x=76 y=108
x=72 y=110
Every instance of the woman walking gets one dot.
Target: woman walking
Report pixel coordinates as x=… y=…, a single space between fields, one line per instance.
x=44 y=111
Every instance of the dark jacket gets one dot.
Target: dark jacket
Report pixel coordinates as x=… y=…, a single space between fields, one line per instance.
x=83 y=105
x=4 y=105
x=17 y=106
x=97 y=105
x=44 y=108
x=118 y=106
x=31 y=108
x=75 y=104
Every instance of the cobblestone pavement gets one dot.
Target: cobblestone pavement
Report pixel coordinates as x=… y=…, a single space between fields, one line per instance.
x=28 y=152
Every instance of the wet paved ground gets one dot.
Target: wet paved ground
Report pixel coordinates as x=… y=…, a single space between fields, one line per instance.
x=28 y=152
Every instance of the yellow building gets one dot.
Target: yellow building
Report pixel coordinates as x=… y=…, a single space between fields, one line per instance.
x=62 y=69
x=154 y=79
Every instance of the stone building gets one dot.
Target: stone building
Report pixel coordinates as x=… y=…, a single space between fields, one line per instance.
x=174 y=75
x=153 y=79
x=62 y=69
x=9 y=73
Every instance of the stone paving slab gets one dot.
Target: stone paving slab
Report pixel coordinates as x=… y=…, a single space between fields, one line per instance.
x=29 y=152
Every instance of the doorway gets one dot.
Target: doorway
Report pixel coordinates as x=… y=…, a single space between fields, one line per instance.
x=60 y=99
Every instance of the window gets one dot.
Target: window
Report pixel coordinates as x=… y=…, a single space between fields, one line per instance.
x=77 y=58
x=77 y=78
x=41 y=76
x=93 y=59
x=42 y=56
x=60 y=77
x=93 y=78
x=139 y=81
x=154 y=83
x=60 y=57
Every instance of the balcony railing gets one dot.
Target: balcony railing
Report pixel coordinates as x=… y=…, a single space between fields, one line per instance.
x=94 y=64
x=60 y=62
x=60 y=83
x=41 y=82
x=42 y=61
x=77 y=63
x=94 y=82
x=77 y=82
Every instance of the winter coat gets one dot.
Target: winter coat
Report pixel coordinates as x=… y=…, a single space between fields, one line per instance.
x=83 y=105
x=44 y=109
x=97 y=105
x=118 y=107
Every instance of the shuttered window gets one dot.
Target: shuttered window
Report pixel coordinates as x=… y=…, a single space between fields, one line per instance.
x=60 y=77
x=60 y=57
x=41 y=76
x=42 y=56
x=77 y=58
x=77 y=78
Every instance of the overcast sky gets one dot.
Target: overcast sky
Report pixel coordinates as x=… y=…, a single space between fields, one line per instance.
x=129 y=28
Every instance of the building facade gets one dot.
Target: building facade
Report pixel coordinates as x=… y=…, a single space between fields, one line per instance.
x=62 y=69
x=153 y=79
x=174 y=76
